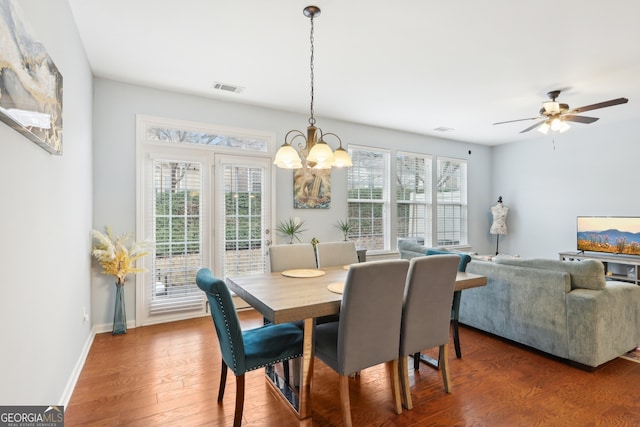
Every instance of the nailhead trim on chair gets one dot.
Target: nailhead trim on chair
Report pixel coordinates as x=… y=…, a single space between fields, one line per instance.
x=233 y=353
x=275 y=361
x=226 y=323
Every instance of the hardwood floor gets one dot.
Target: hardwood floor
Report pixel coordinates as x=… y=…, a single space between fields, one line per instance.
x=167 y=375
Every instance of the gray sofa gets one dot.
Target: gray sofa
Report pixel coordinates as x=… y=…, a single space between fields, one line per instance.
x=563 y=308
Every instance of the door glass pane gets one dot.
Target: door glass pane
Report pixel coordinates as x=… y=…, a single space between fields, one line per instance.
x=244 y=219
x=177 y=224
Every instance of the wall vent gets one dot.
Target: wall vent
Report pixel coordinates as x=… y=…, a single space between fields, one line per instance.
x=227 y=87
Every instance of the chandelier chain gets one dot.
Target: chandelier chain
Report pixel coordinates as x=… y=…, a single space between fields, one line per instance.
x=312 y=120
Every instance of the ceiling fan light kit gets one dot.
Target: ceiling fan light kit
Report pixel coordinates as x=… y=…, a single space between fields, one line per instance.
x=554 y=115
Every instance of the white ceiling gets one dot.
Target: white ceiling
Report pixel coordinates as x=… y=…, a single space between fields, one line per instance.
x=412 y=65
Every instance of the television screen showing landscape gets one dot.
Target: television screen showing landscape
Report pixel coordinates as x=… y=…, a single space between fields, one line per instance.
x=616 y=235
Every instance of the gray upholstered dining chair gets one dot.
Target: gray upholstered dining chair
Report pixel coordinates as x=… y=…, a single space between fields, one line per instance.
x=244 y=351
x=368 y=332
x=426 y=314
x=291 y=256
x=331 y=254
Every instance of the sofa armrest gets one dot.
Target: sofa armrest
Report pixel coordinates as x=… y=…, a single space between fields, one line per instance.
x=603 y=324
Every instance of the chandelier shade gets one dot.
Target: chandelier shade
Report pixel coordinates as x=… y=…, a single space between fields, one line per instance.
x=313 y=150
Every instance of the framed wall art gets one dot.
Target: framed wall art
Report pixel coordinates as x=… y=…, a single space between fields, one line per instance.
x=30 y=83
x=311 y=188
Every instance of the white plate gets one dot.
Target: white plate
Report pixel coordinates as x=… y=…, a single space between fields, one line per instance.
x=336 y=287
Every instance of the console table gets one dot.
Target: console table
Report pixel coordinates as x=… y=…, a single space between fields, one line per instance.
x=624 y=268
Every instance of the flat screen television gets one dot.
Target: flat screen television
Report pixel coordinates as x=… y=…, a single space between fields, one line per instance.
x=615 y=235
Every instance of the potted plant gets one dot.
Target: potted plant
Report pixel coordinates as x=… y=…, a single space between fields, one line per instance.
x=291 y=228
x=117 y=256
x=345 y=227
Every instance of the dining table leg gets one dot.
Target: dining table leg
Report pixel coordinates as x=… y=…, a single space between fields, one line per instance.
x=306 y=373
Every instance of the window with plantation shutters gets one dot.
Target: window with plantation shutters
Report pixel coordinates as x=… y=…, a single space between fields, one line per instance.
x=451 y=187
x=368 y=198
x=413 y=197
x=426 y=200
x=204 y=200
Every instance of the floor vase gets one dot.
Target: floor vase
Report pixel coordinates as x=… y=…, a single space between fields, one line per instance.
x=119 y=314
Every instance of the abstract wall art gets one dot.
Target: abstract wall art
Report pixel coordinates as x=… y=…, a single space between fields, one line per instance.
x=311 y=188
x=30 y=83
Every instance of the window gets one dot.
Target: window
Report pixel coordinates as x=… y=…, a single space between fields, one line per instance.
x=413 y=197
x=451 y=202
x=426 y=206
x=368 y=198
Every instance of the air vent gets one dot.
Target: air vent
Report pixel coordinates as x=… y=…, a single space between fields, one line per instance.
x=227 y=87
x=443 y=129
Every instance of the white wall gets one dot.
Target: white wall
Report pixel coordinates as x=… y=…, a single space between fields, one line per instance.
x=45 y=221
x=116 y=105
x=592 y=171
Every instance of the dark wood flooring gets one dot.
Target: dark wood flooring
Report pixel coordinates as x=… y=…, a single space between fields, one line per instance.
x=167 y=375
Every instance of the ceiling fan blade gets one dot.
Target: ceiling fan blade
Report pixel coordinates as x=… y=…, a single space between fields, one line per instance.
x=518 y=120
x=579 y=119
x=533 y=126
x=599 y=105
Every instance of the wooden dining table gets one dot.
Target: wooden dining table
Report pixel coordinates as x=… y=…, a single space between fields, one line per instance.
x=280 y=298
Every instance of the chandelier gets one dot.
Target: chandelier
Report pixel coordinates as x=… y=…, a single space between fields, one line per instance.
x=313 y=147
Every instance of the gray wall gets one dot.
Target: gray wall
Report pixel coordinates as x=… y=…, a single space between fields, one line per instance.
x=116 y=105
x=592 y=171
x=44 y=223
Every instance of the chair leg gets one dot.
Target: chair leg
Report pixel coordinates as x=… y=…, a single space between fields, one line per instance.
x=392 y=370
x=416 y=361
x=223 y=381
x=345 y=402
x=455 y=313
x=443 y=362
x=403 y=373
x=237 y=419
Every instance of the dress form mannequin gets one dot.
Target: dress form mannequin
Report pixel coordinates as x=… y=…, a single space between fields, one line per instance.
x=499 y=225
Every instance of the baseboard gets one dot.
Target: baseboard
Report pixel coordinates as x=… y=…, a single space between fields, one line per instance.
x=77 y=370
x=108 y=327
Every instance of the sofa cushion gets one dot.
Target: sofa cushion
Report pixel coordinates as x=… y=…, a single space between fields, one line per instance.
x=585 y=274
x=464 y=258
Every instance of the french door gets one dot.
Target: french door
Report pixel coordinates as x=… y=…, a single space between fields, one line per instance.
x=210 y=210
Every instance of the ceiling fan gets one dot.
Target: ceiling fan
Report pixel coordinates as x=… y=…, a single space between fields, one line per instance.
x=555 y=115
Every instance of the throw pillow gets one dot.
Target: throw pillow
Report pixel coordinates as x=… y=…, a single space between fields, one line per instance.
x=464 y=258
